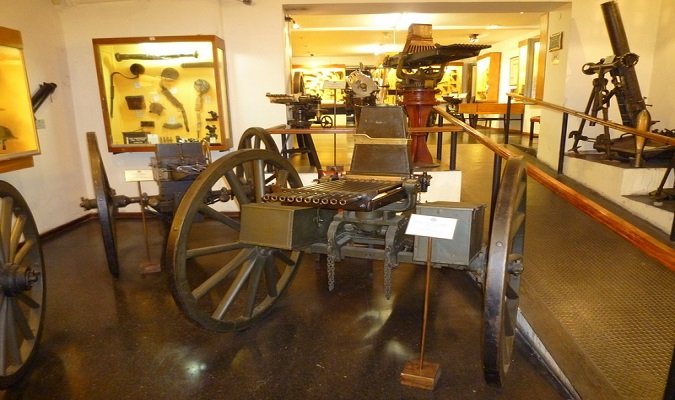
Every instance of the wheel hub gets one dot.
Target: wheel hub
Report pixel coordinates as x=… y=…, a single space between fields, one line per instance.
x=15 y=279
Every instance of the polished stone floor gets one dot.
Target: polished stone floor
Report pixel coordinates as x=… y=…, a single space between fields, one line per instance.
x=125 y=339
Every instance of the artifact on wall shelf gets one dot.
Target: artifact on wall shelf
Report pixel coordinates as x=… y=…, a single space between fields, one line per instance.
x=168 y=89
x=18 y=136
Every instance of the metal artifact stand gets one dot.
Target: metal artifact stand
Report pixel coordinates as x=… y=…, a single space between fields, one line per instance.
x=418 y=373
x=147 y=266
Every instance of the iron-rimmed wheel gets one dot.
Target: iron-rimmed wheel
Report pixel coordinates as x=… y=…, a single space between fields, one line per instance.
x=105 y=204
x=22 y=276
x=504 y=266
x=218 y=282
x=257 y=138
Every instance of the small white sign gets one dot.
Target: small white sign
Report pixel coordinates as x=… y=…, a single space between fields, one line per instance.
x=431 y=226
x=333 y=84
x=138 y=175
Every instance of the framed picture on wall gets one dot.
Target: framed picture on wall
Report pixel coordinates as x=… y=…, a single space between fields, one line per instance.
x=514 y=71
x=555 y=42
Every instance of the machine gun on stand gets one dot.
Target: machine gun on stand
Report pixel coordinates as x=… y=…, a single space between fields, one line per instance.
x=626 y=90
x=419 y=67
x=361 y=91
x=301 y=112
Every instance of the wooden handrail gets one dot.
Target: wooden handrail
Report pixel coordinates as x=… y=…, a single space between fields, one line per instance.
x=482 y=138
x=613 y=125
x=348 y=131
x=638 y=238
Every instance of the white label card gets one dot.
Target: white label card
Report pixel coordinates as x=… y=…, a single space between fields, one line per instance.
x=431 y=226
x=333 y=84
x=138 y=175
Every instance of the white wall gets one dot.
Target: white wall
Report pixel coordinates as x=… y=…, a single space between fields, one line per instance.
x=660 y=90
x=81 y=24
x=52 y=187
x=585 y=39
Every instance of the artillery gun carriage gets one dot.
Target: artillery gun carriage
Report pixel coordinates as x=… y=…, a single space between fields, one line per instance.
x=240 y=225
x=231 y=262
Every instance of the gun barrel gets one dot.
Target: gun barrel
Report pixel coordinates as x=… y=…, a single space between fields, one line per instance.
x=615 y=28
x=629 y=97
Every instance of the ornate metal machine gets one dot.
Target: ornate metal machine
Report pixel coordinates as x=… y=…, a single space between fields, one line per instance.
x=625 y=89
x=361 y=91
x=420 y=66
x=302 y=110
x=232 y=262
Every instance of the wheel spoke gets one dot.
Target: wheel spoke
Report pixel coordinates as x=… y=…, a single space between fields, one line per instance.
x=22 y=323
x=17 y=232
x=271 y=277
x=283 y=257
x=516 y=223
x=237 y=187
x=241 y=258
x=218 y=216
x=509 y=329
x=253 y=284
x=27 y=300
x=6 y=214
x=511 y=292
x=11 y=338
x=234 y=290
x=23 y=251
x=520 y=196
x=220 y=248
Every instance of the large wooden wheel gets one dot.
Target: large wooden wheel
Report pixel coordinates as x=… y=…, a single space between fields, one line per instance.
x=105 y=203
x=257 y=138
x=218 y=282
x=504 y=266
x=22 y=277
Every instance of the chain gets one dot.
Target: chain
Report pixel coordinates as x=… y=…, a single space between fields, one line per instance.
x=330 y=269
x=387 y=280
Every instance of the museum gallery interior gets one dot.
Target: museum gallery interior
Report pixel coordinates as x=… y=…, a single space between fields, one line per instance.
x=280 y=199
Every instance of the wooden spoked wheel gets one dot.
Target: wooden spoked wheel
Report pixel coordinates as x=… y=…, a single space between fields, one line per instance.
x=105 y=204
x=257 y=138
x=504 y=266
x=22 y=276
x=218 y=282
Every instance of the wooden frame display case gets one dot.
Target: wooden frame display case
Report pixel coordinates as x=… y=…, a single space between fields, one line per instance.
x=163 y=89
x=487 y=79
x=451 y=84
x=18 y=136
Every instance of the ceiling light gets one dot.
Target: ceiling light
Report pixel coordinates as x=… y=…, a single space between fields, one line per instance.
x=473 y=38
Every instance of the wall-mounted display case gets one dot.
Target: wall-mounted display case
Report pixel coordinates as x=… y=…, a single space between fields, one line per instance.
x=487 y=77
x=18 y=137
x=451 y=84
x=163 y=89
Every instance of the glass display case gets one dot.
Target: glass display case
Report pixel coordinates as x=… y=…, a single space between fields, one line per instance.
x=487 y=79
x=18 y=137
x=169 y=89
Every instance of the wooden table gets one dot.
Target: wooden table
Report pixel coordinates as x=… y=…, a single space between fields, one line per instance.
x=476 y=109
